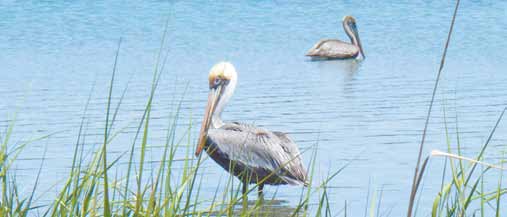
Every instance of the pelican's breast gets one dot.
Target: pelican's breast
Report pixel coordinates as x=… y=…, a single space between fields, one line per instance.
x=332 y=48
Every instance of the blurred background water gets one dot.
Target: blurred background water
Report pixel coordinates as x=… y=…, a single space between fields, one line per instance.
x=54 y=54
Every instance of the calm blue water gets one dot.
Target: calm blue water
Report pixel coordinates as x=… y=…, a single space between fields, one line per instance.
x=52 y=53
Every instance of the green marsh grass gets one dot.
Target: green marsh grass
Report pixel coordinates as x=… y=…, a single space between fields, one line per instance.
x=464 y=194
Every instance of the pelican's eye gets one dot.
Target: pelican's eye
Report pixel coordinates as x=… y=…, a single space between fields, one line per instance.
x=217 y=81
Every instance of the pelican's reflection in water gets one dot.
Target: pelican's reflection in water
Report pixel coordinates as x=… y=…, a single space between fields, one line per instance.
x=345 y=68
x=268 y=207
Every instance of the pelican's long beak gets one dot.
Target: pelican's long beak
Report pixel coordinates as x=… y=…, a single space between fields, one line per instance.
x=214 y=95
x=356 y=33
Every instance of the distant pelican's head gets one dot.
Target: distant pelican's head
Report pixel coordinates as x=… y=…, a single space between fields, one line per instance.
x=349 y=19
x=222 y=81
x=349 y=24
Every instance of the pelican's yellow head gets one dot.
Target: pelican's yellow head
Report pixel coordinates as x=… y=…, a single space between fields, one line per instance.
x=221 y=73
x=222 y=82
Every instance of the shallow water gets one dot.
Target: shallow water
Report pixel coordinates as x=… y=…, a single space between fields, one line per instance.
x=54 y=54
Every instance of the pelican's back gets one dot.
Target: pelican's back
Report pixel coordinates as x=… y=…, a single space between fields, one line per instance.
x=271 y=157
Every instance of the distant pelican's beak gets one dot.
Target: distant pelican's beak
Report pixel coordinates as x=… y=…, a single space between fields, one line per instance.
x=356 y=33
x=213 y=97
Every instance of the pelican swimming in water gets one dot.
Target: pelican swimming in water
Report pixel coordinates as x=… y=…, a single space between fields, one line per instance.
x=336 y=49
x=254 y=155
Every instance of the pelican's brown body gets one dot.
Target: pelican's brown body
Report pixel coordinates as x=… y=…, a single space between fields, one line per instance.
x=333 y=49
x=256 y=155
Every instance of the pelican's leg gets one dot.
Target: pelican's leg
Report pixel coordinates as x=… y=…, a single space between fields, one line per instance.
x=245 y=198
x=245 y=187
x=260 y=190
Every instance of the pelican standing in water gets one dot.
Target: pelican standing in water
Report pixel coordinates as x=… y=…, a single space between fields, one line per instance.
x=336 y=49
x=254 y=155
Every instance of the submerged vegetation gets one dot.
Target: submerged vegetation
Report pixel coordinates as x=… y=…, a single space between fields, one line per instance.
x=92 y=188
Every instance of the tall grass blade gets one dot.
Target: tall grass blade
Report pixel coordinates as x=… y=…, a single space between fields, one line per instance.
x=107 y=208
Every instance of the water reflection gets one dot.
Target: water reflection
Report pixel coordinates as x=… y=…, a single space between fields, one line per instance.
x=348 y=67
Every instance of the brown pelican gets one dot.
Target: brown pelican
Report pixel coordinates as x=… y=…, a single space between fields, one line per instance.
x=254 y=155
x=336 y=49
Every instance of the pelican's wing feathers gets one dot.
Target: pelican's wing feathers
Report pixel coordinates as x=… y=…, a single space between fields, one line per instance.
x=260 y=148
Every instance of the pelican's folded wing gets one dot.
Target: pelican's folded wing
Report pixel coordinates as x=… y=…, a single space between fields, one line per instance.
x=333 y=48
x=260 y=148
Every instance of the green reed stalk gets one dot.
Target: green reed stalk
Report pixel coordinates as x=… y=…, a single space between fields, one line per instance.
x=107 y=208
x=417 y=173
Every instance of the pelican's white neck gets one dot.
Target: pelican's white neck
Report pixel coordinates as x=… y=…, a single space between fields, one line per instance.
x=227 y=93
